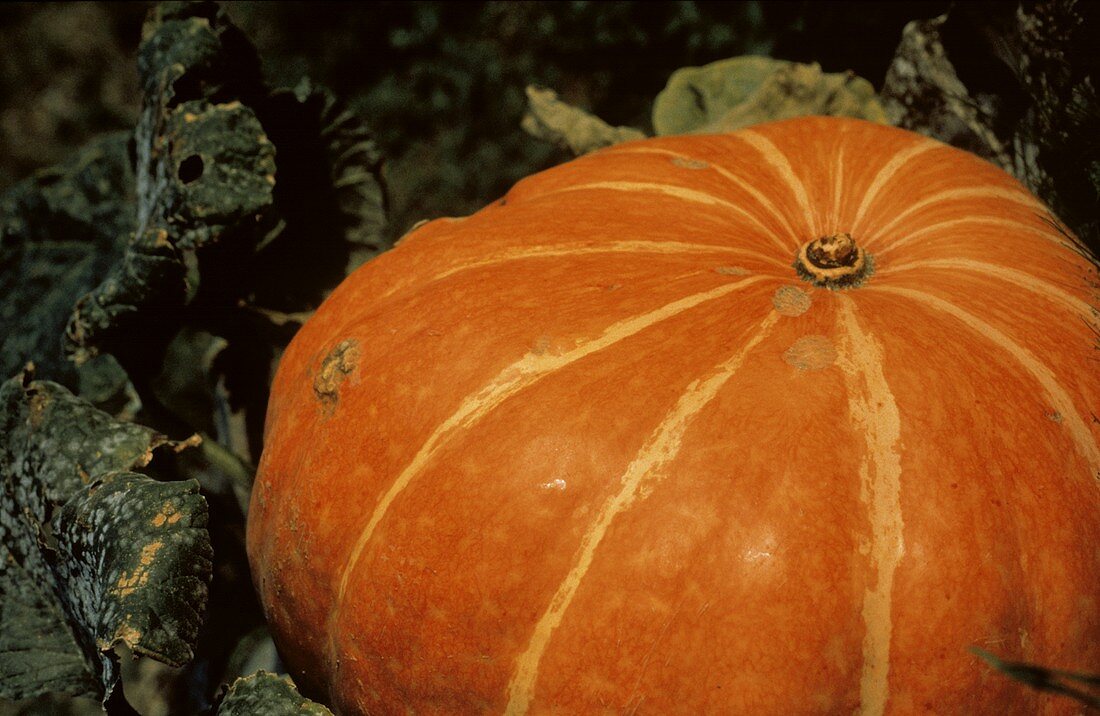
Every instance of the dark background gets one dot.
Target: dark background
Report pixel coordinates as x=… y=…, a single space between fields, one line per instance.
x=440 y=82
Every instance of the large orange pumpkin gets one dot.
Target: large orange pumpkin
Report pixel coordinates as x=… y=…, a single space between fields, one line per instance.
x=781 y=421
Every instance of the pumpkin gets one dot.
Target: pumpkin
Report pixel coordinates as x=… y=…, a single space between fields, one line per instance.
x=786 y=420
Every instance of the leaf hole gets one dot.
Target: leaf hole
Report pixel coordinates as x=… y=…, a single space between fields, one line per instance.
x=190 y=169
x=184 y=89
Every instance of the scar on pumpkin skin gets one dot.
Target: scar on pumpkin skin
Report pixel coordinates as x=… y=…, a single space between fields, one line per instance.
x=791 y=301
x=811 y=353
x=687 y=163
x=732 y=271
x=335 y=367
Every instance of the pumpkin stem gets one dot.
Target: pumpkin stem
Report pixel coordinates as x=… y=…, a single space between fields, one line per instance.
x=834 y=261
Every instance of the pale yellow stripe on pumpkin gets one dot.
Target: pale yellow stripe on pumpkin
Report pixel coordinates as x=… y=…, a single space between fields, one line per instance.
x=774 y=156
x=510 y=381
x=678 y=192
x=660 y=248
x=833 y=225
x=990 y=192
x=1018 y=278
x=1057 y=396
x=998 y=222
x=896 y=163
x=875 y=413
x=755 y=193
x=643 y=473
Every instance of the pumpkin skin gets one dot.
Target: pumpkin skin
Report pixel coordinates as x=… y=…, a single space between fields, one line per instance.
x=599 y=448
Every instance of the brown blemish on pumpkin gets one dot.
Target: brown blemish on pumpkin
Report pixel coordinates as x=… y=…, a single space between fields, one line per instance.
x=335 y=367
x=732 y=271
x=688 y=163
x=1055 y=416
x=791 y=301
x=811 y=353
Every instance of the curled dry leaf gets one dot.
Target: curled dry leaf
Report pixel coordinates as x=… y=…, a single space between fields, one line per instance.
x=1015 y=84
x=923 y=93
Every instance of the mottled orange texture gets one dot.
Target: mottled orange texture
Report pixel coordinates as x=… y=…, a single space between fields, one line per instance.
x=601 y=450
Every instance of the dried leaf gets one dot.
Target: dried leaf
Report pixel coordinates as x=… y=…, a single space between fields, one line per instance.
x=552 y=120
x=923 y=93
x=91 y=555
x=1016 y=84
x=267 y=694
x=730 y=94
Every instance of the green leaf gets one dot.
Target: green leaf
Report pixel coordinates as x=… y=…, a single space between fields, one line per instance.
x=91 y=555
x=329 y=196
x=1067 y=683
x=61 y=231
x=731 y=94
x=264 y=693
x=205 y=175
x=237 y=189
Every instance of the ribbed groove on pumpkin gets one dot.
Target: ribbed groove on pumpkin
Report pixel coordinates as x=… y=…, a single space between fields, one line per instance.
x=774 y=156
x=874 y=410
x=661 y=248
x=677 y=192
x=755 y=193
x=874 y=233
x=1017 y=278
x=888 y=171
x=1058 y=397
x=510 y=381
x=974 y=221
x=643 y=473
